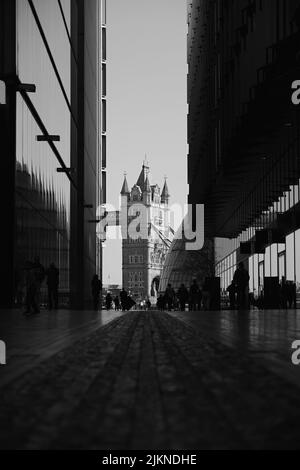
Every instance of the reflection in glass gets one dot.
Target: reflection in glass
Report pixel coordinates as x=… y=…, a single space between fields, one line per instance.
x=42 y=194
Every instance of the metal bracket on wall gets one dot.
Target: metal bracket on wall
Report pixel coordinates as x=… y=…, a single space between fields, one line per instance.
x=65 y=170
x=27 y=87
x=48 y=138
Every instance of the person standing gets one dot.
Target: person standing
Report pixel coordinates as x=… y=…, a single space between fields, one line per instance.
x=96 y=291
x=52 y=275
x=161 y=303
x=291 y=295
x=117 y=303
x=170 y=296
x=183 y=296
x=241 y=280
x=124 y=299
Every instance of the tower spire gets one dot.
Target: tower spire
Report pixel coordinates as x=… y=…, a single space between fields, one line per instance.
x=143 y=175
x=125 y=189
x=165 y=195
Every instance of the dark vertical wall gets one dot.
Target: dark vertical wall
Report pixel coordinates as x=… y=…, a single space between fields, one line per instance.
x=84 y=156
x=77 y=157
x=91 y=134
x=7 y=149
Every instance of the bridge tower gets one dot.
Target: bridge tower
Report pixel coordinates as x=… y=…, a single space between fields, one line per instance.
x=143 y=259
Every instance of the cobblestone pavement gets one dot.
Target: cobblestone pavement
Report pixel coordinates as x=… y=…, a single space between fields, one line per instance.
x=149 y=381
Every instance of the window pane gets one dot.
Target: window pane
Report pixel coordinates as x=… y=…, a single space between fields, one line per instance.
x=290 y=260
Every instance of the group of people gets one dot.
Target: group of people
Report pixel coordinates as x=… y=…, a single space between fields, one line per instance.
x=195 y=297
x=123 y=302
x=35 y=276
x=111 y=302
x=200 y=298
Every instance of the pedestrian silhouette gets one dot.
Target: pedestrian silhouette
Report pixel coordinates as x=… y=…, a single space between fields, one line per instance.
x=96 y=285
x=241 y=280
x=124 y=298
x=117 y=303
x=161 y=302
x=194 y=296
x=170 y=297
x=183 y=297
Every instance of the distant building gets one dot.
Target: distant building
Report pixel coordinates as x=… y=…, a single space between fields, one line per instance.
x=143 y=259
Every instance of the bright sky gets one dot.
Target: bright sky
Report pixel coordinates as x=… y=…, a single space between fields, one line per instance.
x=146 y=102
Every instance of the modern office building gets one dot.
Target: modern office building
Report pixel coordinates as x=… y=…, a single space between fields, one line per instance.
x=53 y=92
x=243 y=134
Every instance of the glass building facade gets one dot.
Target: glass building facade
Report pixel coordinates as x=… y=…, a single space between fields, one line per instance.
x=182 y=266
x=43 y=194
x=52 y=72
x=244 y=134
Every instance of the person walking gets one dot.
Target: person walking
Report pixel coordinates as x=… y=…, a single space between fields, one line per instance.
x=183 y=296
x=241 y=280
x=170 y=296
x=124 y=299
x=40 y=274
x=194 y=296
x=291 y=295
x=117 y=303
x=52 y=275
x=96 y=286
x=161 y=302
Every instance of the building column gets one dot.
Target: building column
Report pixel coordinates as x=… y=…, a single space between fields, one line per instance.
x=77 y=158
x=8 y=150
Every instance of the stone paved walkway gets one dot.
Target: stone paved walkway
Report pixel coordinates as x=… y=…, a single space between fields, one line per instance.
x=149 y=381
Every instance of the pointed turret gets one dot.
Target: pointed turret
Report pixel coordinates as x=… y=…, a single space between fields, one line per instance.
x=125 y=189
x=143 y=176
x=165 y=195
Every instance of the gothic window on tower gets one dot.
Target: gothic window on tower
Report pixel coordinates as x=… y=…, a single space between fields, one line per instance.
x=136 y=259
